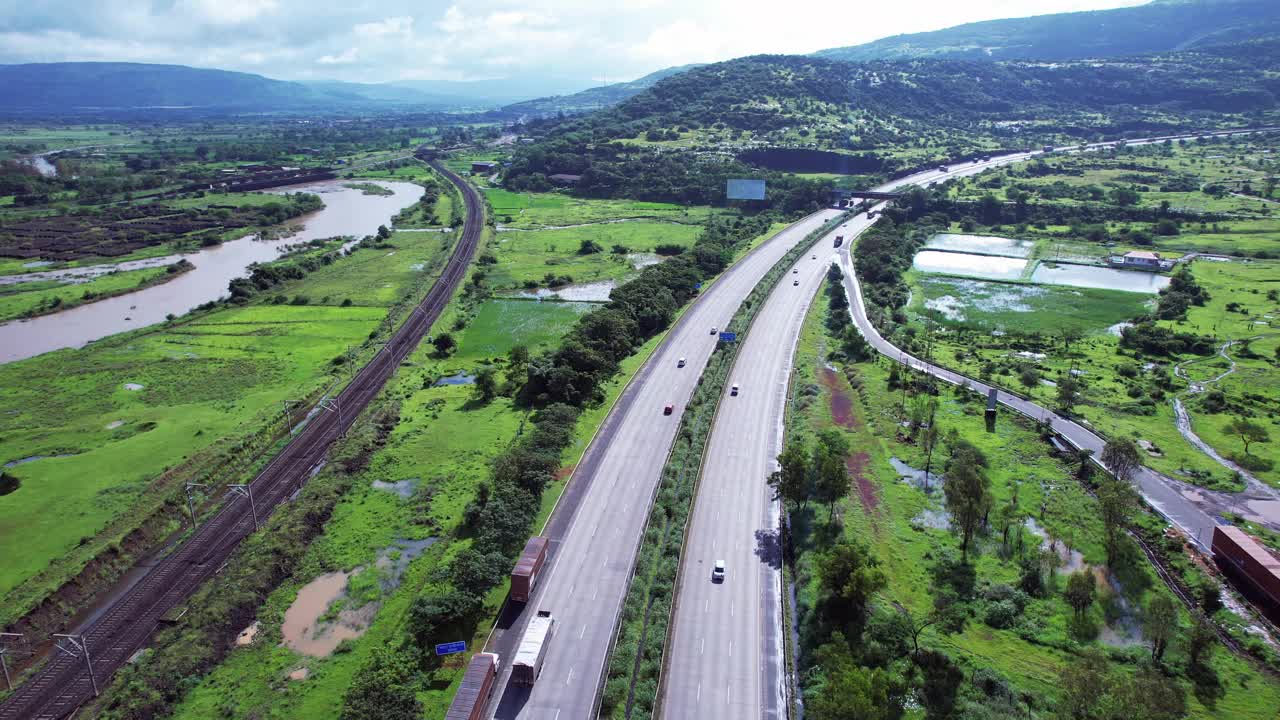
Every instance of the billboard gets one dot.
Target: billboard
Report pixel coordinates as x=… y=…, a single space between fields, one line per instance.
x=745 y=189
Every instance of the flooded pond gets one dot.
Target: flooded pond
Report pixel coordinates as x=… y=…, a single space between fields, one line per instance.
x=989 y=267
x=584 y=292
x=459 y=379
x=982 y=244
x=346 y=213
x=1100 y=277
x=78 y=275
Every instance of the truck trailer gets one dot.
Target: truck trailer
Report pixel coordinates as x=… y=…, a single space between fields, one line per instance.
x=527 y=665
x=1245 y=559
x=839 y=240
x=527 y=569
x=477 y=685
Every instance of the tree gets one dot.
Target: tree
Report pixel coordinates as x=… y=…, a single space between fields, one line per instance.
x=1083 y=684
x=848 y=691
x=444 y=344
x=1029 y=377
x=383 y=233
x=1068 y=392
x=831 y=475
x=968 y=492
x=848 y=575
x=517 y=372
x=1116 y=502
x=1121 y=457
x=929 y=442
x=791 y=481
x=384 y=688
x=1200 y=642
x=589 y=247
x=1160 y=624
x=1081 y=590
x=487 y=383
x=1249 y=432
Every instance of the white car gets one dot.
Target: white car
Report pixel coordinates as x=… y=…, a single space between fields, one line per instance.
x=717 y=572
x=713 y=329
x=734 y=390
x=680 y=363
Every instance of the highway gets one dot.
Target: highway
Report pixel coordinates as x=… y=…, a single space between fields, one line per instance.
x=597 y=527
x=125 y=625
x=725 y=659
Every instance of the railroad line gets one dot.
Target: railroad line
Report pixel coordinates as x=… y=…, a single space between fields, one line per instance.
x=64 y=684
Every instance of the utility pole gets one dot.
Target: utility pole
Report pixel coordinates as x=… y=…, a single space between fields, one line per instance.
x=4 y=650
x=191 y=507
x=246 y=491
x=79 y=648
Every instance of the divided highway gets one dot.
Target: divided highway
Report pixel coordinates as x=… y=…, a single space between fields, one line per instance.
x=595 y=531
x=725 y=659
x=126 y=624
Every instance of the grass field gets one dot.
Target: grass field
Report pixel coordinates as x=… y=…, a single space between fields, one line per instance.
x=1028 y=308
x=206 y=380
x=535 y=210
x=527 y=256
x=896 y=519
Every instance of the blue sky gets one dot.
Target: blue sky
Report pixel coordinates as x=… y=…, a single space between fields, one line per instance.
x=396 y=40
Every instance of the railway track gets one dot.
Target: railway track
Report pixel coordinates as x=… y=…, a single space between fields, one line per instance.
x=64 y=683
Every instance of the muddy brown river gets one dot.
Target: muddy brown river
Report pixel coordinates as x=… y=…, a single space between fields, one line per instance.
x=346 y=212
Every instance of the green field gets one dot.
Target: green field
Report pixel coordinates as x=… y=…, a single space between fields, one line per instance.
x=527 y=256
x=209 y=380
x=535 y=210
x=897 y=520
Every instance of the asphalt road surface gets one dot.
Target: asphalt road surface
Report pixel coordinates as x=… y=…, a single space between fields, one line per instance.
x=726 y=654
x=611 y=493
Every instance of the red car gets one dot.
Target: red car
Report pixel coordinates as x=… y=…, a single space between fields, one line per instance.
x=667 y=409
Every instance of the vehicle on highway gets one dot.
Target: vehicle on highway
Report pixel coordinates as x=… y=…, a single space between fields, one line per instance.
x=796 y=271
x=734 y=390
x=713 y=329
x=525 y=574
x=680 y=363
x=1048 y=148
x=813 y=257
x=527 y=666
x=668 y=409
x=839 y=240
x=717 y=572
x=943 y=168
x=477 y=685
x=795 y=282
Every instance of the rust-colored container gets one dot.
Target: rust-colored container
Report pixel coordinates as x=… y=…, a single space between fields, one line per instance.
x=1236 y=551
x=472 y=698
x=525 y=574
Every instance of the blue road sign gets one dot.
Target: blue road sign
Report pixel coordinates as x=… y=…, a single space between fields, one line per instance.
x=451 y=648
x=728 y=337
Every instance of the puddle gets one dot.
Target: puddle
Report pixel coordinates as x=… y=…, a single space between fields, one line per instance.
x=300 y=674
x=1070 y=560
x=403 y=488
x=247 y=635
x=914 y=477
x=984 y=244
x=133 y=386
x=459 y=379
x=991 y=267
x=33 y=458
x=933 y=518
x=585 y=292
x=643 y=260
x=1100 y=277
x=950 y=306
x=1125 y=629
x=303 y=630
x=840 y=402
x=1028 y=355
x=394 y=560
x=114 y=424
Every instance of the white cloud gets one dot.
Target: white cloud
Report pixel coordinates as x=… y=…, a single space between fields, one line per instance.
x=346 y=57
x=453 y=20
x=229 y=12
x=401 y=25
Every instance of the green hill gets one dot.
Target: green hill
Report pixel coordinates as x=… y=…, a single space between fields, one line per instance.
x=592 y=98
x=1160 y=26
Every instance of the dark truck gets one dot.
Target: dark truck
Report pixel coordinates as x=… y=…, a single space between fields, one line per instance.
x=477 y=685
x=839 y=240
x=527 y=666
x=525 y=574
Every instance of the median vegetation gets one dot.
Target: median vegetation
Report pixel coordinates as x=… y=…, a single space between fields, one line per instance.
x=635 y=662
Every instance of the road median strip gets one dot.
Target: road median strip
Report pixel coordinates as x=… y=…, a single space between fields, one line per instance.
x=635 y=664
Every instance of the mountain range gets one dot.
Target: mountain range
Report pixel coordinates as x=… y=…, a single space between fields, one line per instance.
x=1160 y=26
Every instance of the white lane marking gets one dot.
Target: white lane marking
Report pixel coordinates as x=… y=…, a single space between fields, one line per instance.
x=557 y=713
x=706 y=607
x=730 y=648
x=572 y=588
x=594 y=594
x=730 y=609
x=570 y=678
x=593 y=530
x=584 y=632
x=726 y=693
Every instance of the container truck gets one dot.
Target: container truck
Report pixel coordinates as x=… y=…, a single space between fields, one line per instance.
x=839 y=240
x=527 y=666
x=1240 y=555
x=527 y=569
x=477 y=685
